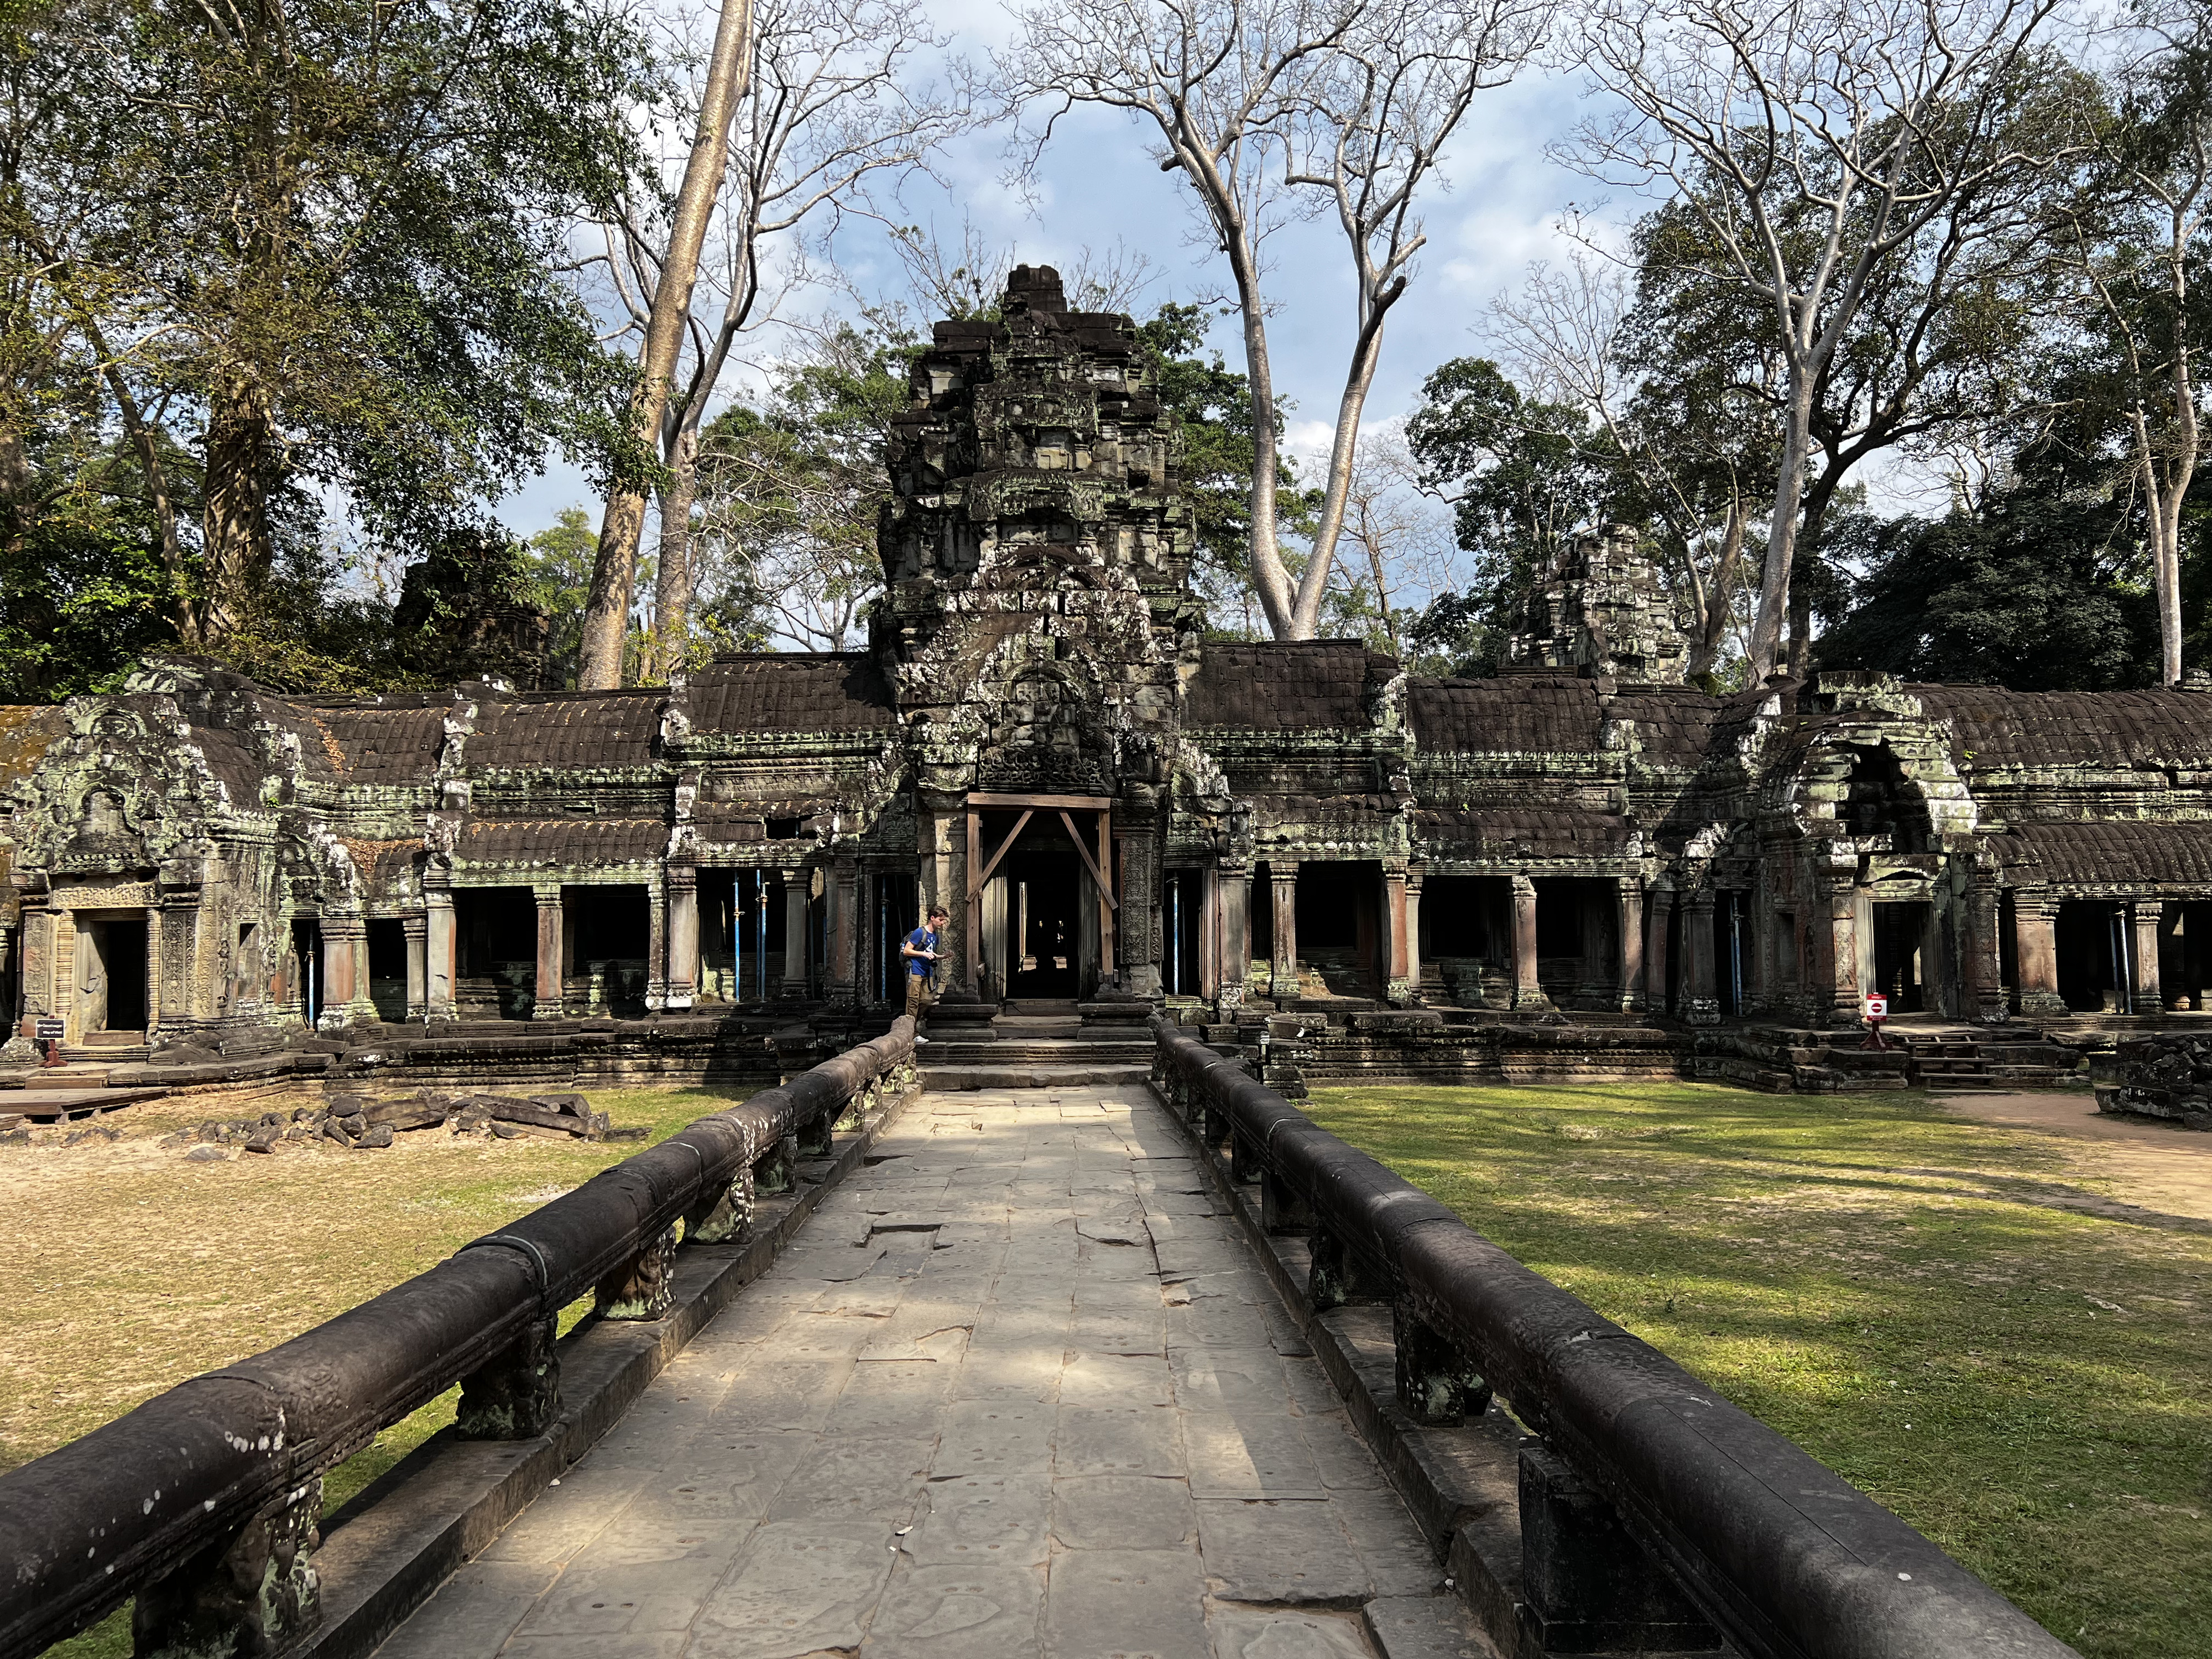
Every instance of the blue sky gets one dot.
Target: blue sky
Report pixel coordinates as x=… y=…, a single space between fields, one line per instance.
x=1097 y=186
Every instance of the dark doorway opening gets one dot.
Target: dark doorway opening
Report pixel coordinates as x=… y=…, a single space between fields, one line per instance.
x=1901 y=968
x=1044 y=923
x=305 y=968
x=1339 y=935
x=387 y=969
x=496 y=931
x=898 y=913
x=2091 y=950
x=113 y=980
x=610 y=939
x=1464 y=944
x=1182 y=924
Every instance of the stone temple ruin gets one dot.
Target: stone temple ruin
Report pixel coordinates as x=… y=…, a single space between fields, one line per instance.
x=1583 y=862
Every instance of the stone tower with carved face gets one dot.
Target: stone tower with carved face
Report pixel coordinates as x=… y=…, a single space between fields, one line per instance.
x=1037 y=626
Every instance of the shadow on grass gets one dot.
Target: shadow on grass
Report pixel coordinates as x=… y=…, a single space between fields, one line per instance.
x=2022 y=1381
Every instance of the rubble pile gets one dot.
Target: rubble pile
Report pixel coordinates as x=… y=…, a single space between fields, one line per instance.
x=358 y=1123
x=2167 y=1076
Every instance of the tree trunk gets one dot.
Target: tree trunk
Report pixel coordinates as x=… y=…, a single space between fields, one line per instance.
x=1767 y=629
x=673 y=576
x=157 y=488
x=1720 y=593
x=606 y=613
x=1270 y=578
x=234 y=512
x=1366 y=351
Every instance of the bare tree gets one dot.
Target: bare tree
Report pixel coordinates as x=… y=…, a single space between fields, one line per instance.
x=1224 y=83
x=606 y=611
x=828 y=102
x=2138 y=247
x=1395 y=89
x=1691 y=446
x=1812 y=139
x=1401 y=534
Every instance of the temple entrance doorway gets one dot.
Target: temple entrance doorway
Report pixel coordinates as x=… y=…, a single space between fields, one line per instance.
x=1040 y=905
x=1042 y=908
x=1900 y=967
x=110 y=973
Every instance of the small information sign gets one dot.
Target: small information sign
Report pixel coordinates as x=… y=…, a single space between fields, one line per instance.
x=49 y=1029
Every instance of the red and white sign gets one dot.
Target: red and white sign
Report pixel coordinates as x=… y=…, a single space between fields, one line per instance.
x=1877 y=1006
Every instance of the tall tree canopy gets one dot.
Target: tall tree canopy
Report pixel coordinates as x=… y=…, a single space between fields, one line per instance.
x=261 y=258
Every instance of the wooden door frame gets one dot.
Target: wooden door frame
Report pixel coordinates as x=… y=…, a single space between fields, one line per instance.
x=980 y=870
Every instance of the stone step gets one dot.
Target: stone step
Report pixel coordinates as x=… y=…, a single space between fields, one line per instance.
x=952 y=1051
x=938 y=1079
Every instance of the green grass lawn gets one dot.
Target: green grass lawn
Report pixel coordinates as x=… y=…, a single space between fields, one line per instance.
x=138 y=1270
x=1894 y=1288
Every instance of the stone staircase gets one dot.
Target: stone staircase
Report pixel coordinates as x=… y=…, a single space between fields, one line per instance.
x=1033 y=1045
x=1945 y=1059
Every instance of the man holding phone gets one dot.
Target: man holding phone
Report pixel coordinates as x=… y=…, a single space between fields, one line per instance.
x=920 y=950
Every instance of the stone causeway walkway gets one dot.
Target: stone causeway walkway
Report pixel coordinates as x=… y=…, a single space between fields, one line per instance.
x=1019 y=1387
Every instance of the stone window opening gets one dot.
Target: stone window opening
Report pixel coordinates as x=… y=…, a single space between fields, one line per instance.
x=1880 y=801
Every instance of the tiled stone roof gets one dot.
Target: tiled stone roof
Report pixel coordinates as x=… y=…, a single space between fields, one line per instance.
x=387 y=746
x=792 y=691
x=1310 y=685
x=2110 y=729
x=563 y=841
x=561 y=729
x=2123 y=854
x=1521 y=832
x=1673 y=723
x=1513 y=714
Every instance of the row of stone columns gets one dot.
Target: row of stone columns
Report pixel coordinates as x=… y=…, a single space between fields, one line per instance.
x=1401 y=935
x=673 y=946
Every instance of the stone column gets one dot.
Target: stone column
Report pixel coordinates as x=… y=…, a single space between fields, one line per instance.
x=1629 y=907
x=438 y=947
x=656 y=944
x=35 y=980
x=1283 y=879
x=342 y=985
x=942 y=826
x=416 y=928
x=1701 y=1003
x=2143 y=988
x=1414 y=876
x=2035 y=922
x=1658 y=966
x=1233 y=892
x=545 y=1004
x=1846 y=996
x=1397 y=984
x=1981 y=966
x=797 y=884
x=683 y=888
x=844 y=899
x=1528 y=990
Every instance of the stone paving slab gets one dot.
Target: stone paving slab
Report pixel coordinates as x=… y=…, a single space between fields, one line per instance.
x=1019 y=1389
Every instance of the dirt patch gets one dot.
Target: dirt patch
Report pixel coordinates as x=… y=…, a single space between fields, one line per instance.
x=2147 y=1167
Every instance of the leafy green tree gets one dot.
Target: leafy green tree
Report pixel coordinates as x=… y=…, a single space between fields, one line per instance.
x=315 y=248
x=1522 y=476
x=791 y=487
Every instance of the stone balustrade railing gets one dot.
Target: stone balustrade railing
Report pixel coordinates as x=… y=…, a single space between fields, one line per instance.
x=1784 y=1556
x=203 y=1502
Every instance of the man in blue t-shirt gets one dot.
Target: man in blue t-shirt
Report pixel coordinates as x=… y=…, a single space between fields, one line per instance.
x=920 y=950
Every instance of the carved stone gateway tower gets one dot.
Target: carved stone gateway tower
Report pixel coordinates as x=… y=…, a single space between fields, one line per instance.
x=1037 y=629
x=1041 y=737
